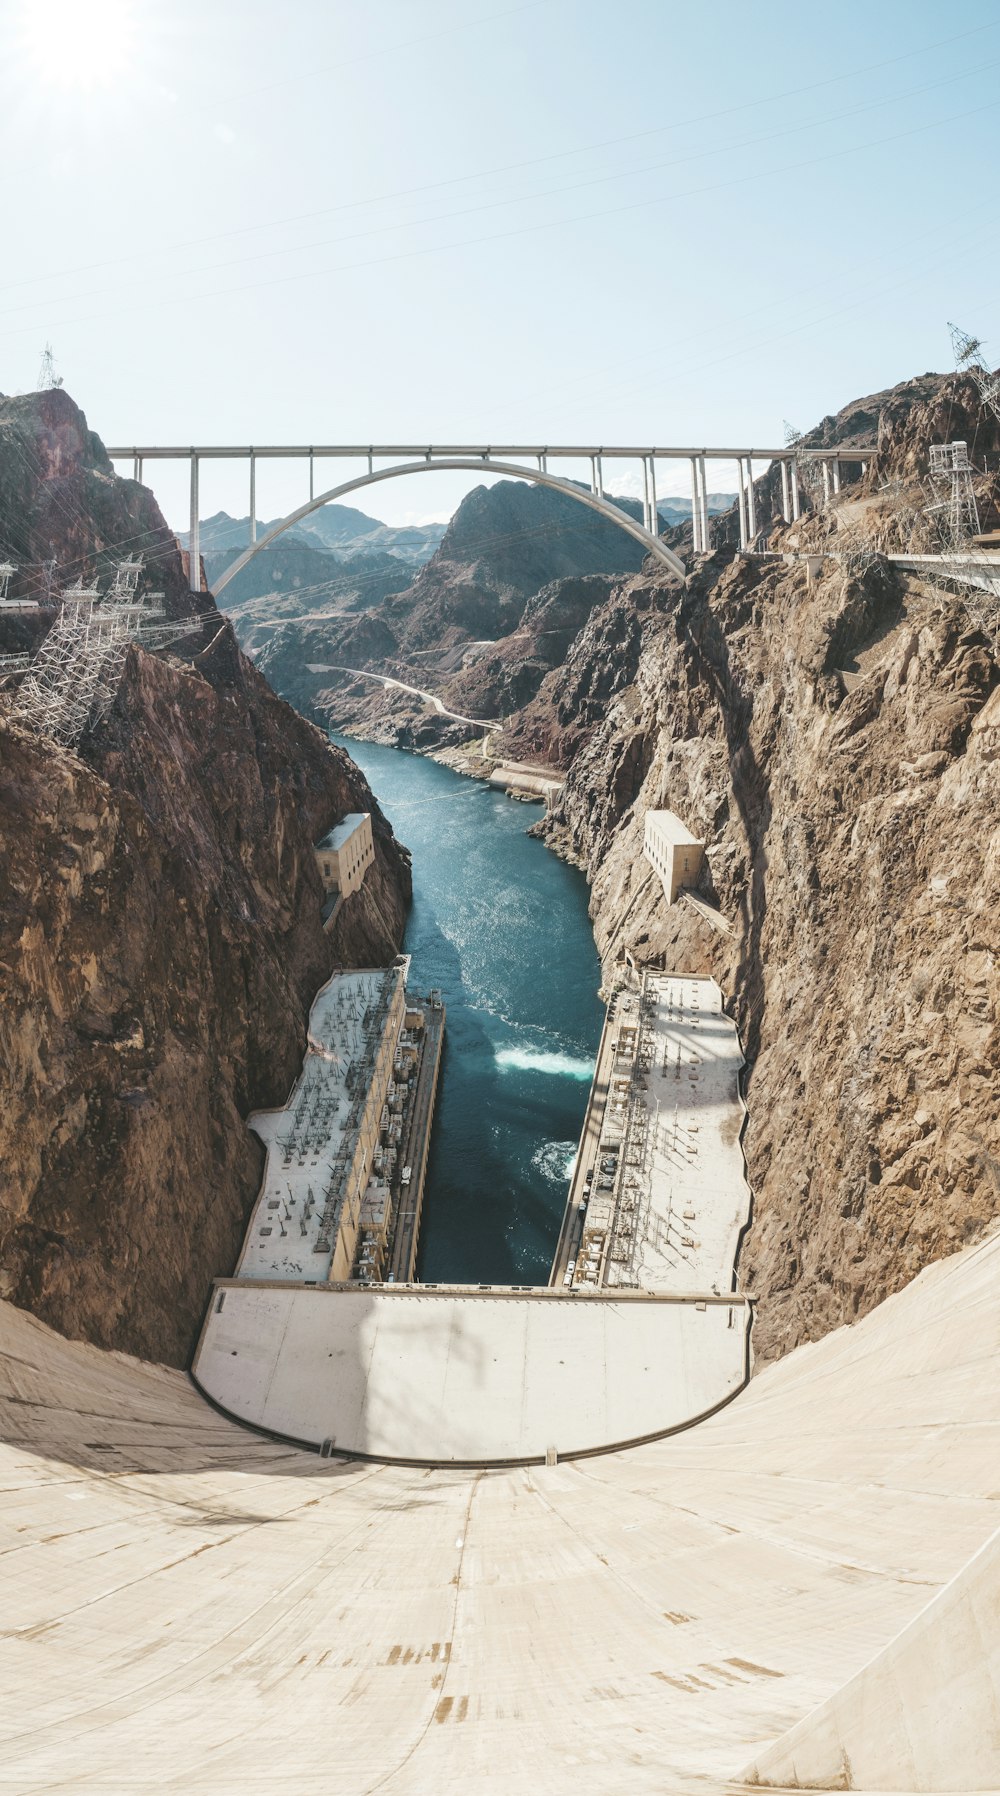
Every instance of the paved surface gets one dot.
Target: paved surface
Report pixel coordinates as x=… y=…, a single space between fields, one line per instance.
x=430 y=698
x=416 y=1152
x=458 y=1374
x=188 y=1608
x=665 y=1106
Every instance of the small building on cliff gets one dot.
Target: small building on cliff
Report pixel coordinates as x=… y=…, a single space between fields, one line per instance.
x=345 y=853
x=672 y=851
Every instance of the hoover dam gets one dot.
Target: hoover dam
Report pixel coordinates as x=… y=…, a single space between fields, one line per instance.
x=290 y=1498
x=506 y=1537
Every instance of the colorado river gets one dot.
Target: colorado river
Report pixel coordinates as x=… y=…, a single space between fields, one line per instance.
x=500 y=925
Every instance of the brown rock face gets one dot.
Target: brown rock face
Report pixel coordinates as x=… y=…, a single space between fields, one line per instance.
x=60 y=497
x=838 y=747
x=160 y=944
x=519 y=570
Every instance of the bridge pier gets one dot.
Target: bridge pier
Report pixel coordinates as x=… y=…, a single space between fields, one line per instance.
x=194 y=534
x=253 y=497
x=706 y=528
x=835 y=469
x=741 y=502
x=751 y=507
x=794 y=471
x=696 y=542
x=826 y=482
x=651 y=520
x=786 y=507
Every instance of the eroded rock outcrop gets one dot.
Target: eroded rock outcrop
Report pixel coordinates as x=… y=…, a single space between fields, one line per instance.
x=160 y=939
x=837 y=745
x=516 y=575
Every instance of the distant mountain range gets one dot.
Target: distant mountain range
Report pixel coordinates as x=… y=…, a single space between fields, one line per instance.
x=348 y=532
x=339 y=529
x=678 y=511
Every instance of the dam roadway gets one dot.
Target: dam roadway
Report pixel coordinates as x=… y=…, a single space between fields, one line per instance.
x=190 y=1608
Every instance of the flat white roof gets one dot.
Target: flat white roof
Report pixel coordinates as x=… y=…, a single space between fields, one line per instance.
x=672 y=829
x=308 y=1138
x=463 y=1374
x=344 y=830
x=683 y=1185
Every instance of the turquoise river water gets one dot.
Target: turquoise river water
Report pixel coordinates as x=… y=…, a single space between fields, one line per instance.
x=500 y=925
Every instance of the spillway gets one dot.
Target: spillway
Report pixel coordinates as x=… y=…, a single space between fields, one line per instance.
x=189 y=1607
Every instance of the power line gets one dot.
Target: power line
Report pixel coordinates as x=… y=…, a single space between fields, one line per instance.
x=755 y=177
x=810 y=126
x=158 y=248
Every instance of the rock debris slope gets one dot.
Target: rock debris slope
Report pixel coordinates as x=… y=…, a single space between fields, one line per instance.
x=160 y=932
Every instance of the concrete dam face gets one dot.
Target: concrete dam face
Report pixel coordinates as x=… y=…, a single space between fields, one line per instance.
x=800 y=1592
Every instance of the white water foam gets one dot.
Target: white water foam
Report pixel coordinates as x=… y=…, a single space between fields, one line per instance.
x=534 y=1060
x=555 y=1160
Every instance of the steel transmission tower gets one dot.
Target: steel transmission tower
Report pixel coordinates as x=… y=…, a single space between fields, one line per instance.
x=47 y=376
x=73 y=678
x=953 y=505
x=969 y=360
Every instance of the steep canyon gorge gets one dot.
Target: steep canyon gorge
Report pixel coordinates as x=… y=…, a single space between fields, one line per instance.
x=833 y=737
x=835 y=740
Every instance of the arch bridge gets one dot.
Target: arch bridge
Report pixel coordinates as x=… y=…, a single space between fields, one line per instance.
x=517 y=461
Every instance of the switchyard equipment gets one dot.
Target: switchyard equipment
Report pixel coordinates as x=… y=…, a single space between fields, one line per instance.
x=333 y=1148
x=71 y=681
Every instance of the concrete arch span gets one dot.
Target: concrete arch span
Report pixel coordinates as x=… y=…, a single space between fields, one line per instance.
x=473 y=465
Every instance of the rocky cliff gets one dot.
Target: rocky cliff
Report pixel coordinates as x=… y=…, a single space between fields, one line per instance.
x=294 y=578
x=837 y=745
x=160 y=934
x=470 y=627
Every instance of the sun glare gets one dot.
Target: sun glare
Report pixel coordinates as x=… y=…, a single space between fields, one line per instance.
x=78 y=43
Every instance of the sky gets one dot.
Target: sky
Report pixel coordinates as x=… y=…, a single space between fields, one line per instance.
x=483 y=220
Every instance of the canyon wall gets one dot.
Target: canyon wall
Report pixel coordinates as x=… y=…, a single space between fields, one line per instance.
x=837 y=746
x=160 y=931
x=517 y=573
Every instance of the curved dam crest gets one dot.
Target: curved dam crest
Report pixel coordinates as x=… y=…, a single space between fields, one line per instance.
x=633 y=1328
